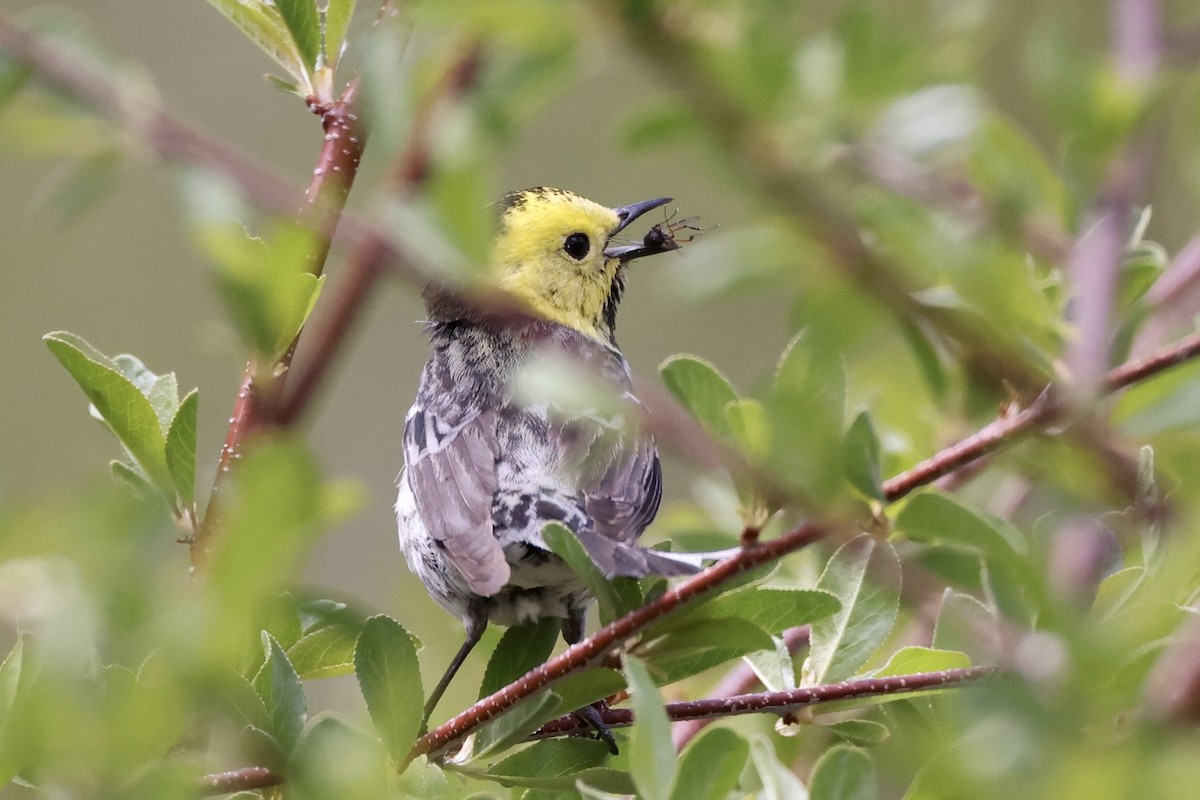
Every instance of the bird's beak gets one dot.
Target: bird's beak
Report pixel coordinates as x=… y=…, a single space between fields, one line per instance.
x=626 y=215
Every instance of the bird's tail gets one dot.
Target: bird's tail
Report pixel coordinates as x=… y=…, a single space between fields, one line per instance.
x=626 y=560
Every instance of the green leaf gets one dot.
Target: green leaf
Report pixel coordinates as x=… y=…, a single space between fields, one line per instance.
x=282 y=693
x=858 y=731
x=701 y=389
x=651 y=754
x=10 y=681
x=1114 y=592
x=928 y=359
x=273 y=510
x=860 y=457
x=772 y=610
x=775 y=668
x=864 y=574
x=584 y=688
x=520 y=649
x=778 y=780
x=557 y=764
x=337 y=20
x=806 y=406
x=963 y=624
x=939 y=518
x=334 y=760
x=161 y=391
x=134 y=476
x=302 y=22
x=240 y=699
x=326 y=652
x=693 y=649
x=389 y=677
x=125 y=409
x=515 y=724
x=566 y=545
x=181 y=447
x=751 y=429
x=710 y=765
x=913 y=660
x=264 y=26
x=843 y=773
x=266 y=284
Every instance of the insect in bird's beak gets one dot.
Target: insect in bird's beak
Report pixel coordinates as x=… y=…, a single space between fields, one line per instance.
x=626 y=215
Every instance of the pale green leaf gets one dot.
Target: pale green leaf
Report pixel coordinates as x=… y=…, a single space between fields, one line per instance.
x=520 y=649
x=651 y=754
x=778 y=780
x=864 y=574
x=300 y=17
x=913 y=660
x=701 y=389
x=843 y=773
x=326 y=652
x=181 y=447
x=265 y=27
x=337 y=20
x=282 y=693
x=125 y=409
x=860 y=457
x=389 y=677
x=710 y=765
x=1114 y=592
x=858 y=731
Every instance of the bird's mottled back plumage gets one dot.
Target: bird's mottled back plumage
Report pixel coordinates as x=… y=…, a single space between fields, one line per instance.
x=487 y=466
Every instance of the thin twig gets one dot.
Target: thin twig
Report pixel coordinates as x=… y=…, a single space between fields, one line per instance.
x=246 y=779
x=337 y=166
x=738 y=681
x=250 y=778
x=779 y=702
x=366 y=263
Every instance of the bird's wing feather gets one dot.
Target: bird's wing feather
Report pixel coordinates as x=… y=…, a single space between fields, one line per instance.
x=452 y=472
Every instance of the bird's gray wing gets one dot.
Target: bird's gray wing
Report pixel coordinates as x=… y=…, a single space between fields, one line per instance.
x=451 y=469
x=618 y=474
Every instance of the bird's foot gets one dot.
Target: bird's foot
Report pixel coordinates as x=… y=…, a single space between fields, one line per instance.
x=590 y=716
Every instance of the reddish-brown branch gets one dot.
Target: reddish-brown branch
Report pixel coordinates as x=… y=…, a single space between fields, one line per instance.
x=366 y=264
x=996 y=434
x=779 y=702
x=337 y=166
x=250 y=778
x=612 y=635
x=246 y=779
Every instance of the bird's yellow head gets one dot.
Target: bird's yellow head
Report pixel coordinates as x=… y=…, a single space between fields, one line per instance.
x=554 y=253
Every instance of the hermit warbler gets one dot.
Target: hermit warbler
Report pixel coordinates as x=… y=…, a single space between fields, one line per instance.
x=485 y=469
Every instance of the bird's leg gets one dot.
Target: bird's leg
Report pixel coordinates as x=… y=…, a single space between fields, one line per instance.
x=476 y=624
x=572 y=631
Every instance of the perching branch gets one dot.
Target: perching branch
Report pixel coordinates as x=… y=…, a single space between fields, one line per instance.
x=783 y=702
x=337 y=166
x=366 y=264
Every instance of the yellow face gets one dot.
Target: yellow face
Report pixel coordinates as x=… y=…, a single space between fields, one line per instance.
x=550 y=253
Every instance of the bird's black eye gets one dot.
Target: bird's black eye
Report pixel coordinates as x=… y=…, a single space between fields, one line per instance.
x=577 y=246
